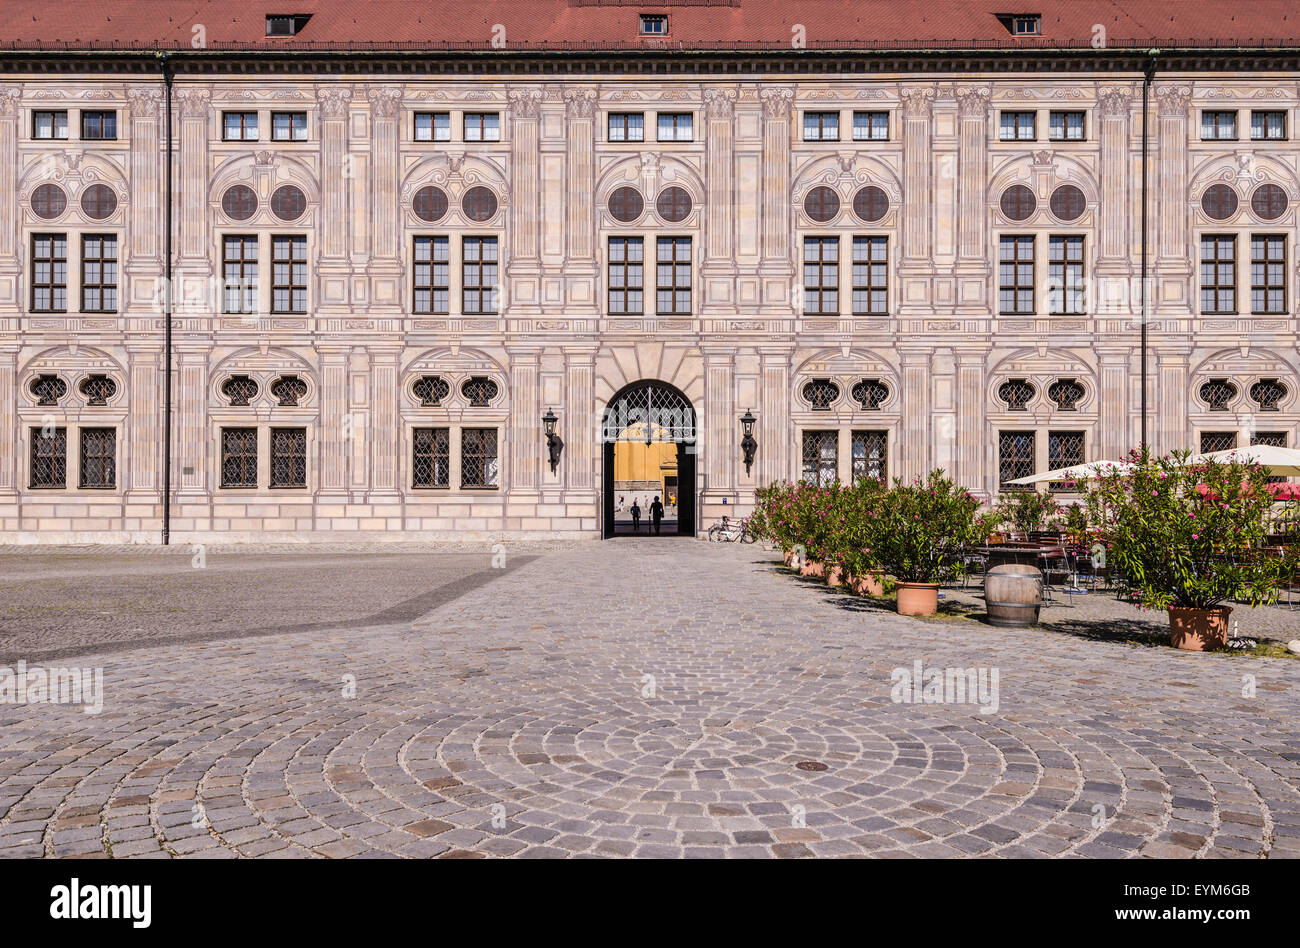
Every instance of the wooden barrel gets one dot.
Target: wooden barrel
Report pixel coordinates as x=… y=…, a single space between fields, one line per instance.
x=1013 y=594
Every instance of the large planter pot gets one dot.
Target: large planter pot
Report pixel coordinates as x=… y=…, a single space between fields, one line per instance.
x=789 y=558
x=835 y=576
x=869 y=584
x=1199 y=629
x=1013 y=594
x=813 y=568
x=918 y=599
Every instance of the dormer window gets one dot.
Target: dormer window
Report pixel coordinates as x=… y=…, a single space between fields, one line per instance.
x=286 y=24
x=1022 y=24
x=654 y=24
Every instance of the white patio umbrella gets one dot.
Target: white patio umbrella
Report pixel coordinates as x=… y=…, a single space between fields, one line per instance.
x=1283 y=462
x=1080 y=472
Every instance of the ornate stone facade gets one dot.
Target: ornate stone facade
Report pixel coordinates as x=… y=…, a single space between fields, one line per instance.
x=550 y=187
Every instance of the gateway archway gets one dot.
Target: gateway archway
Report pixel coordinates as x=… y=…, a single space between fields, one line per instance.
x=648 y=441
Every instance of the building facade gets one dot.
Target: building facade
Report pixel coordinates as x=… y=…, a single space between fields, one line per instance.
x=382 y=277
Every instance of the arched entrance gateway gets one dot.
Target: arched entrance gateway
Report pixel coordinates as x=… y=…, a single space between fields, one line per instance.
x=648 y=441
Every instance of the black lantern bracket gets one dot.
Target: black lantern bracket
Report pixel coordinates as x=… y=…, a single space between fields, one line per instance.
x=554 y=443
x=748 y=443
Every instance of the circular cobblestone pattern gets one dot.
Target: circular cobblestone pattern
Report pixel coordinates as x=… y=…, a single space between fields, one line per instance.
x=648 y=698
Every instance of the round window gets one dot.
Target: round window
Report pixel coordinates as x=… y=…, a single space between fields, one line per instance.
x=430 y=204
x=626 y=205
x=49 y=201
x=1219 y=202
x=479 y=204
x=288 y=203
x=870 y=204
x=1068 y=203
x=821 y=204
x=674 y=204
x=1018 y=202
x=239 y=202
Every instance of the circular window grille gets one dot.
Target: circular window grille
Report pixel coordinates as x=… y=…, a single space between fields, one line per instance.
x=240 y=389
x=98 y=389
x=821 y=394
x=1268 y=202
x=49 y=201
x=288 y=203
x=239 y=202
x=1018 y=202
x=98 y=201
x=1017 y=394
x=821 y=204
x=1068 y=203
x=479 y=204
x=479 y=390
x=1218 y=394
x=673 y=205
x=1219 y=202
x=626 y=205
x=1268 y=394
x=431 y=390
x=430 y=204
x=288 y=390
x=870 y=394
x=870 y=204
x=48 y=389
x=1066 y=394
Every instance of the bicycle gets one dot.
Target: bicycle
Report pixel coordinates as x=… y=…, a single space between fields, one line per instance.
x=728 y=531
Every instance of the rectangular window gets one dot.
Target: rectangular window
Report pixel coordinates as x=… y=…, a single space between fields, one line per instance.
x=288 y=457
x=288 y=274
x=99 y=273
x=1030 y=25
x=626 y=127
x=1064 y=449
x=1278 y=440
x=98 y=457
x=478 y=457
x=49 y=273
x=433 y=126
x=869 y=455
x=1218 y=126
x=1065 y=126
x=1268 y=126
x=1218 y=441
x=239 y=274
x=821 y=276
x=820 y=457
x=50 y=124
x=1016 y=126
x=482 y=127
x=653 y=24
x=479 y=276
x=238 y=457
x=821 y=126
x=1015 y=458
x=289 y=126
x=49 y=457
x=99 y=126
x=870 y=276
x=674 y=276
x=432 y=275
x=870 y=126
x=675 y=127
x=626 y=276
x=239 y=126
x=1016 y=276
x=431 y=457
x=1219 y=275
x=1065 y=276
x=1268 y=274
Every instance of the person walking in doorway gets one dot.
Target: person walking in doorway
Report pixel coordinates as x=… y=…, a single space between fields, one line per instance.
x=636 y=517
x=656 y=513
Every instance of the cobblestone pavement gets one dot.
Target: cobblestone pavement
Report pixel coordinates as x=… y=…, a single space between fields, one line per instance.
x=517 y=719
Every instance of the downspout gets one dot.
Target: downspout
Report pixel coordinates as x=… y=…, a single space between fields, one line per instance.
x=167 y=310
x=1148 y=75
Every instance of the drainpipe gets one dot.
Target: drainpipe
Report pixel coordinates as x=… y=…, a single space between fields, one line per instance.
x=167 y=311
x=1148 y=74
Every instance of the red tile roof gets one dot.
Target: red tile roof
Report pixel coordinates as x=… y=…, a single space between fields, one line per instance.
x=613 y=24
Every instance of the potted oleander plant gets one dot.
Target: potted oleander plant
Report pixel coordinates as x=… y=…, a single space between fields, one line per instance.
x=922 y=536
x=1187 y=538
x=1027 y=511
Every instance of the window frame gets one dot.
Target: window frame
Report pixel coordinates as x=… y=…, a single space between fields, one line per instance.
x=676 y=265
x=52 y=285
x=870 y=126
x=1066 y=126
x=1280 y=114
x=477 y=434
x=431 y=286
x=243 y=262
x=54 y=135
x=822 y=118
x=1016 y=115
x=615 y=119
x=244 y=127
x=293 y=127
x=866 y=436
x=57 y=456
x=827 y=273
x=98 y=115
x=479 y=120
x=1218 y=263
x=243 y=455
x=1219 y=116
x=1016 y=287
x=107 y=457
x=1067 y=297
x=434 y=126
x=675 y=121
x=293 y=288
x=869 y=265
x=290 y=456
x=1268 y=287
x=1019 y=457
x=821 y=437
x=433 y=455
x=486 y=290
x=647 y=21
x=103 y=285
x=624 y=265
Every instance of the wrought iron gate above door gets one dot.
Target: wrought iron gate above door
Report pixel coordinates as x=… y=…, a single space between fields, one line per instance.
x=649 y=411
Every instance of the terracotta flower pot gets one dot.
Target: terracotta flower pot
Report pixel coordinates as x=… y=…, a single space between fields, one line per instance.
x=813 y=568
x=789 y=558
x=835 y=576
x=869 y=584
x=1199 y=629
x=918 y=599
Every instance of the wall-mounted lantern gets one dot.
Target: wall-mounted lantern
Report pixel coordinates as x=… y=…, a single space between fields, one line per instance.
x=748 y=444
x=554 y=443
